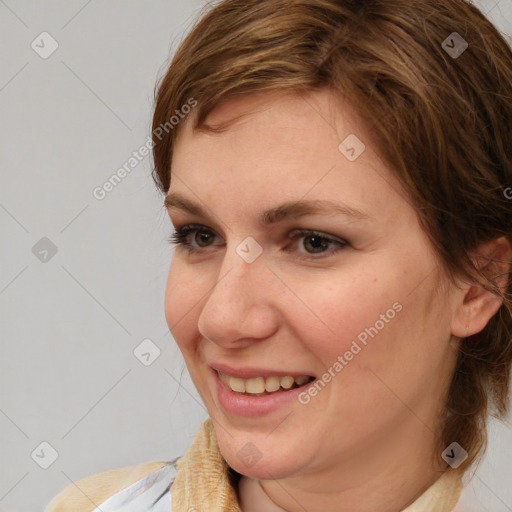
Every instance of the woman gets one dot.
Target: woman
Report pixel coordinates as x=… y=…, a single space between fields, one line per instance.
x=336 y=174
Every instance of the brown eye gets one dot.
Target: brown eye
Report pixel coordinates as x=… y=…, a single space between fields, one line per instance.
x=194 y=237
x=315 y=243
x=203 y=238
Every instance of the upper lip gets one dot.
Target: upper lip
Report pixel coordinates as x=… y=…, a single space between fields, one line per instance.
x=249 y=372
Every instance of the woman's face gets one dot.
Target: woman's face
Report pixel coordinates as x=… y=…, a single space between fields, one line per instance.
x=344 y=288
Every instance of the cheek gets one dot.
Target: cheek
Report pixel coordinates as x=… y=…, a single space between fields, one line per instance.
x=376 y=320
x=393 y=344
x=330 y=313
x=182 y=304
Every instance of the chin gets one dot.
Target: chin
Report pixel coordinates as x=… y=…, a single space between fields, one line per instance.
x=266 y=469
x=254 y=463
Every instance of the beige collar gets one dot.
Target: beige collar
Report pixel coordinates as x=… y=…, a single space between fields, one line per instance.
x=202 y=482
x=442 y=496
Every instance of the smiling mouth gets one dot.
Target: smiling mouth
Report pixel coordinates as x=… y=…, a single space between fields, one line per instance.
x=264 y=386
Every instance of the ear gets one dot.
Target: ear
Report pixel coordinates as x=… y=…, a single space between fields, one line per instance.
x=476 y=303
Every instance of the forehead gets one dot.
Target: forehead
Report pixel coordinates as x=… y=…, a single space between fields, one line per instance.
x=311 y=112
x=282 y=147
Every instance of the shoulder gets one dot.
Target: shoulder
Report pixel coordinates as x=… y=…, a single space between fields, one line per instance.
x=88 y=493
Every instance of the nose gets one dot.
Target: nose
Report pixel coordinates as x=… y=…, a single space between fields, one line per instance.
x=241 y=306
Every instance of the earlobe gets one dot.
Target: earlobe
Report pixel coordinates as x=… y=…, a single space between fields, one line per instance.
x=477 y=303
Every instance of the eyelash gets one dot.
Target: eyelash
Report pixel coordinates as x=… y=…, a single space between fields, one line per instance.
x=180 y=236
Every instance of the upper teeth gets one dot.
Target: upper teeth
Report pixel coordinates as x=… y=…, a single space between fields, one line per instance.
x=258 y=385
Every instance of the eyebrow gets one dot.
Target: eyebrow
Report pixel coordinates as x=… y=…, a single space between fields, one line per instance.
x=277 y=214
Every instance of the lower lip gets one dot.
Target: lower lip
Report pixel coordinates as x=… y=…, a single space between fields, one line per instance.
x=245 y=405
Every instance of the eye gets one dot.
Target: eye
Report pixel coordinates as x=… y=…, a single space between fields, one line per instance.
x=315 y=242
x=194 y=237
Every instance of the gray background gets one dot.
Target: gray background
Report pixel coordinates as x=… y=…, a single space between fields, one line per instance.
x=71 y=321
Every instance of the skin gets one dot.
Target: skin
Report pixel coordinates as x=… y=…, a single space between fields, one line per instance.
x=367 y=441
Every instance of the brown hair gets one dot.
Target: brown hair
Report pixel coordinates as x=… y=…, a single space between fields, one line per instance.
x=443 y=124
